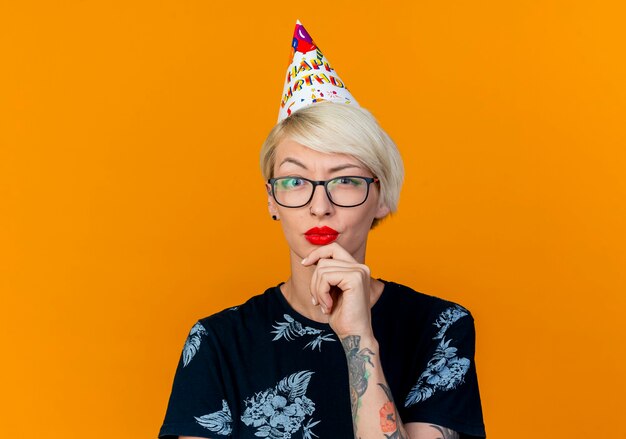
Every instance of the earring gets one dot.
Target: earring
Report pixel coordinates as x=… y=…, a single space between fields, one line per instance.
x=274 y=217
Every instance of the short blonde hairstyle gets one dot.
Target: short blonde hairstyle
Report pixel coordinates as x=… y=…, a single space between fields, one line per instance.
x=341 y=129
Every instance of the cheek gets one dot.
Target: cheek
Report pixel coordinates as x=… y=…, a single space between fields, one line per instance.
x=359 y=223
x=289 y=222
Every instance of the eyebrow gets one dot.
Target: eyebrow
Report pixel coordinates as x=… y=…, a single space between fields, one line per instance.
x=334 y=169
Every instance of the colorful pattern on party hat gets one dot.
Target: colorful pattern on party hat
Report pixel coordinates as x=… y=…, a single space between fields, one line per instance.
x=310 y=77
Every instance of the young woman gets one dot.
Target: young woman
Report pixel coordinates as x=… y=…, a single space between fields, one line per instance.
x=331 y=352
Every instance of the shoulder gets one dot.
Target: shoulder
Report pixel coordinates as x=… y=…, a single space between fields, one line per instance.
x=404 y=299
x=420 y=318
x=248 y=313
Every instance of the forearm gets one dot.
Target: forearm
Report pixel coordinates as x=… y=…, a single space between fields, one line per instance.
x=374 y=413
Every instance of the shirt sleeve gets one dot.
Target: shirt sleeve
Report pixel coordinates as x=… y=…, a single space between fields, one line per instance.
x=445 y=390
x=197 y=404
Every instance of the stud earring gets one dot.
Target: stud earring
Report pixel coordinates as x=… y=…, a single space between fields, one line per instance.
x=274 y=217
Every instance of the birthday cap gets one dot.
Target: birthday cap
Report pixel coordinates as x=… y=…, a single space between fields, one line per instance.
x=310 y=77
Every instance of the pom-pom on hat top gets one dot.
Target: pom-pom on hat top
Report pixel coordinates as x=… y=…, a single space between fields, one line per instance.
x=310 y=77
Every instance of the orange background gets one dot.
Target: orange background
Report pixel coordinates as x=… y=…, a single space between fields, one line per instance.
x=131 y=203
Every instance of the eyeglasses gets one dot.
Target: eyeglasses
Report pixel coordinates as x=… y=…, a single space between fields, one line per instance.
x=347 y=191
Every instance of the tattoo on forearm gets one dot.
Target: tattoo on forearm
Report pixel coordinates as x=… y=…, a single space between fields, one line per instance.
x=389 y=417
x=446 y=433
x=357 y=359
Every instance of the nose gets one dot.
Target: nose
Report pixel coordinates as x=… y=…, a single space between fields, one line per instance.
x=320 y=203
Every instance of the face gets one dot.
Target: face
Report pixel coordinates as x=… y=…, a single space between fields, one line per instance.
x=351 y=223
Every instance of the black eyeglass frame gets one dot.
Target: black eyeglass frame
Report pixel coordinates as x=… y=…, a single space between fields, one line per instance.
x=316 y=183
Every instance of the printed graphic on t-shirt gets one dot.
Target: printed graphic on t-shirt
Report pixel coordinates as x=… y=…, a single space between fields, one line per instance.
x=219 y=422
x=445 y=370
x=192 y=344
x=291 y=329
x=447 y=318
x=279 y=412
x=275 y=413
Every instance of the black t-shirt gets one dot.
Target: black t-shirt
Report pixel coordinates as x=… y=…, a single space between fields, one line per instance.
x=264 y=370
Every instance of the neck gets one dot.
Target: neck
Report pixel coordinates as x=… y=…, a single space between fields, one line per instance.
x=297 y=291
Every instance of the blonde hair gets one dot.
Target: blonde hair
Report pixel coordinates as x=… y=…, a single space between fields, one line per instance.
x=341 y=129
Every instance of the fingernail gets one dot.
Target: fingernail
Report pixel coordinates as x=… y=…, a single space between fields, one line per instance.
x=303 y=261
x=313 y=301
x=324 y=310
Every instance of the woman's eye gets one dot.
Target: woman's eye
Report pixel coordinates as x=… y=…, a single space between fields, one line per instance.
x=290 y=183
x=349 y=181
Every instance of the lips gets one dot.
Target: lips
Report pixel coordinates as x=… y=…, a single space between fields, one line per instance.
x=321 y=235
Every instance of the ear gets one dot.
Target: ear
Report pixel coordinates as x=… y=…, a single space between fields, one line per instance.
x=382 y=211
x=271 y=203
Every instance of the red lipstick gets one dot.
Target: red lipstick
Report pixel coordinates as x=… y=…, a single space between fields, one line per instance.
x=321 y=235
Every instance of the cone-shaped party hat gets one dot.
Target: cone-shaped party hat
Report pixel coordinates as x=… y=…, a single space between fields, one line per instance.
x=310 y=77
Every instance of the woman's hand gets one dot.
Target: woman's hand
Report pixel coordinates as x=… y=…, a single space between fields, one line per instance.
x=341 y=287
